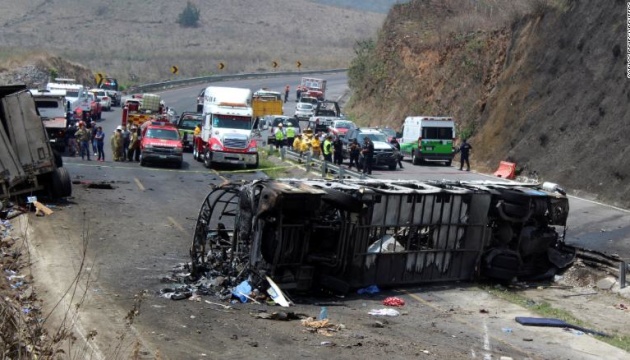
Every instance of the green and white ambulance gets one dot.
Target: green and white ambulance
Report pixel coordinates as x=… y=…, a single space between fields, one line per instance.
x=428 y=138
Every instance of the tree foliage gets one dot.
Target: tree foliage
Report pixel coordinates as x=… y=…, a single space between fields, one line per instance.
x=189 y=17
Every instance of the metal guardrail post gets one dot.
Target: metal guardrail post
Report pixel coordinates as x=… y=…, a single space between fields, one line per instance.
x=623 y=268
x=283 y=152
x=324 y=168
x=340 y=175
x=309 y=158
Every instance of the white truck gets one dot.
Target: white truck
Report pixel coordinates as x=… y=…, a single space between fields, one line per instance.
x=27 y=163
x=77 y=95
x=226 y=133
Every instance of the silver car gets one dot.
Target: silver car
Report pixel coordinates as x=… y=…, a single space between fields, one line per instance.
x=303 y=111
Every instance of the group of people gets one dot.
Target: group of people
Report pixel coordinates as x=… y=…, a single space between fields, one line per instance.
x=125 y=142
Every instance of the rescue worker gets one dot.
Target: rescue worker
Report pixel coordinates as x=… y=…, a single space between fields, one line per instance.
x=355 y=151
x=83 y=136
x=197 y=131
x=307 y=139
x=290 y=133
x=396 y=145
x=297 y=145
x=338 y=151
x=316 y=146
x=286 y=93
x=328 y=149
x=368 y=155
x=116 y=142
x=279 y=136
x=134 y=145
x=298 y=93
x=464 y=153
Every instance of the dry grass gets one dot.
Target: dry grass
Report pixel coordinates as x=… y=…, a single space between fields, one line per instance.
x=142 y=39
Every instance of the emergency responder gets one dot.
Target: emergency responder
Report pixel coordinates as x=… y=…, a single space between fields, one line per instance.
x=279 y=137
x=286 y=93
x=316 y=146
x=134 y=145
x=328 y=149
x=116 y=142
x=126 y=135
x=290 y=132
x=396 y=145
x=298 y=93
x=355 y=151
x=368 y=155
x=84 y=136
x=338 y=151
x=297 y=145
x=464 y=153
x=197 y=131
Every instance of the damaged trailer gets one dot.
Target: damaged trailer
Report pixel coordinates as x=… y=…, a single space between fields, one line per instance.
x=348 y=234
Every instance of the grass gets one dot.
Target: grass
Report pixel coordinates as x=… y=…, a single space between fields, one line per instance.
x=544 y=309
x=269 y=167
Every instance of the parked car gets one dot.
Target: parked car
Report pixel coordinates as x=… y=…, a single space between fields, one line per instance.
x=389 y=132
x=161 y=143
x=105 y=100
x=384 y=153
x=270 y=125
x=186 y=124
x=110 y=85
x=304 y=111
x=340 y=127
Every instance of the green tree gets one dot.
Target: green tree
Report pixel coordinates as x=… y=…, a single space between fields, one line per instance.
x=189 y=17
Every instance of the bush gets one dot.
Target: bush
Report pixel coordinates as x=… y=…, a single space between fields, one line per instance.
x=189 y=17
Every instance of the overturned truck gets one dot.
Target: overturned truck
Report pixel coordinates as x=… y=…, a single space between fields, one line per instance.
x=347 y=234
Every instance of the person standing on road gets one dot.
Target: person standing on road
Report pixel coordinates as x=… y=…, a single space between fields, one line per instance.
x=71 y=139
x=328 y=149
x=286 y=93
x=464 y=154
x=279 y=137
x=116 y=143
x=338 y=151
x=355 y=151
x=92 y=127
x=368 y=155
x=134 y=145
x=396 y=145
x=99 y=138
x=83 y=136
x=126 y=141
x=290 y=132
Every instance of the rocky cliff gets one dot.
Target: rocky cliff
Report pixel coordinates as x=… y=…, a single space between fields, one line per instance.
x=543 y=85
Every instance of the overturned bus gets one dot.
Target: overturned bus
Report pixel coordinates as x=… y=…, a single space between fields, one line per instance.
x=349 y=234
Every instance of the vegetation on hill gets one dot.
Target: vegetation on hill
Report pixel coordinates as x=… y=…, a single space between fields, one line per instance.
x=541 y=84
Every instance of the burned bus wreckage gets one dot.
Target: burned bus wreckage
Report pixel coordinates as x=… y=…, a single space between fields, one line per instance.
x=347 y=234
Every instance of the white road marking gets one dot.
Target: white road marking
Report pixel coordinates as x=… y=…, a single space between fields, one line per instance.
x=486 y=341
x=177 y=225
x=140 y=186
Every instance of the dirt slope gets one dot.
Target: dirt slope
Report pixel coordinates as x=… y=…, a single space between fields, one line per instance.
x=543 y=86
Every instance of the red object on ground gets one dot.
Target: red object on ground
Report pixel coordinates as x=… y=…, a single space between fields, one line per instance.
x=506 y=170
x=394 y=301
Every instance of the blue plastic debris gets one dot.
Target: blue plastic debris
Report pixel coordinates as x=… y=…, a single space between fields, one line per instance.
x=242 y=289
x=372 y=289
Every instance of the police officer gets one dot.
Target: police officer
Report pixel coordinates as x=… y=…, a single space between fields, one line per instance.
x=355 y=151
x=338 y=153
x=464 y=153
x=368 y=155
x=396 y=145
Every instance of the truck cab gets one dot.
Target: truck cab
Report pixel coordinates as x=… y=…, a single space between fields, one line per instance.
x=51 y=106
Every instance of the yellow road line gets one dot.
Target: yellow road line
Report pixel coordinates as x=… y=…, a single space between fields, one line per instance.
x=140 y=186
x=177 y=225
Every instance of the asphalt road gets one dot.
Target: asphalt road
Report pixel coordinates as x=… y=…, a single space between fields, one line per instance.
x=142 y=227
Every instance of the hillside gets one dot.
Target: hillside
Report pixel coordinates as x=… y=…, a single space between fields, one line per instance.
x=543 y=85
x=138 y=41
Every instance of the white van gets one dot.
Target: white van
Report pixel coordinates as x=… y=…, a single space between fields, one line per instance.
x=428 y=138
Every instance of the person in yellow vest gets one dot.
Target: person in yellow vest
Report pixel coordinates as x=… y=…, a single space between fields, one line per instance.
x=316 y=146
x=290 y=133
x=197 y=131
x=328 y=149
x=279 y=137
x=297 y=145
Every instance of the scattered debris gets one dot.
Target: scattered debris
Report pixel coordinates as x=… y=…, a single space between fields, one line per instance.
x=379 y=324
x=276 y=294
x=41 y=208
x=371 y=290
x=393 y=301
x=550 y=322
x=279 y=315
x=384 y=312
x=621 y=307
x=484 y=311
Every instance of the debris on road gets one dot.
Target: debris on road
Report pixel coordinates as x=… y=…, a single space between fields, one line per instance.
x=550 y=322
x=393 y=301
x=384 y=312
x=371 y=290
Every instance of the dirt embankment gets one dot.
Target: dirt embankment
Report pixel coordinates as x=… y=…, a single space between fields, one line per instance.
x=37 y=69
x=545 y=88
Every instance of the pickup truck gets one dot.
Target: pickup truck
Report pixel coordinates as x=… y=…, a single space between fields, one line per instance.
x=51 y=106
